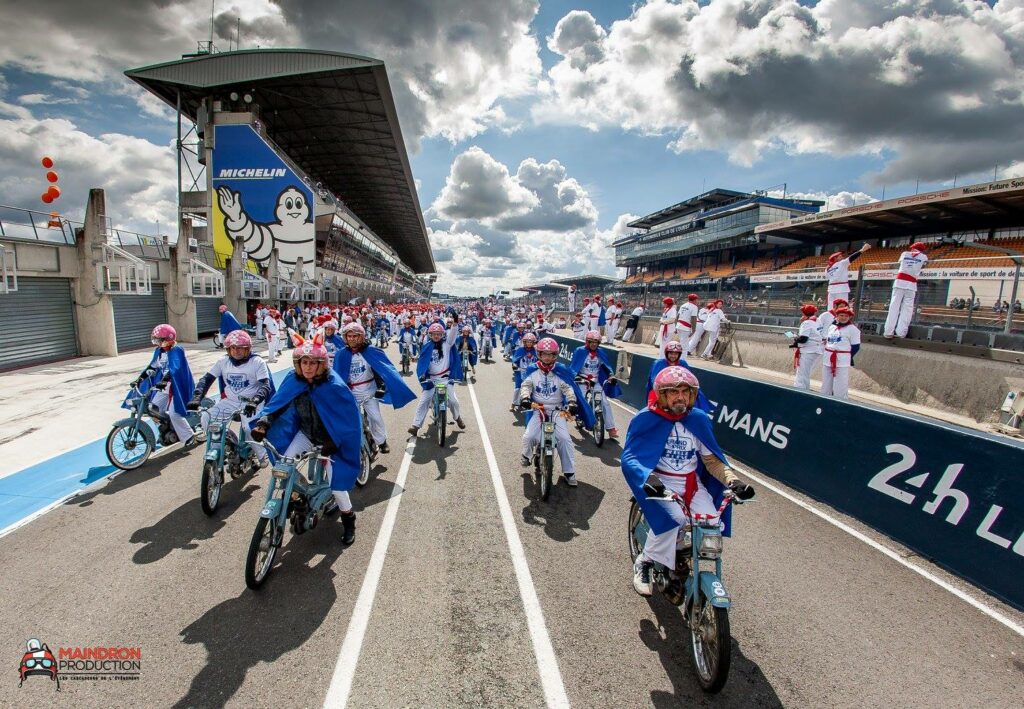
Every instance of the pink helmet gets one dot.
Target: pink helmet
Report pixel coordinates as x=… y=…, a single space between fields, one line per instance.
x=331 y=323
x=675 y=377
x=547 y=345
x=531 y=337
x=593 y=335
x=673 y=346
x=436 y=327
x=223 y=309
x=466 y=329
x=237 y=338
x=353 y=327
x=164 y=332
x=309 y=348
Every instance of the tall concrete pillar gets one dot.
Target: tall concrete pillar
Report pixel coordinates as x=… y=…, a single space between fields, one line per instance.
x=181 y=306
x=234 y=266
x=94 y=312
x=273 y=268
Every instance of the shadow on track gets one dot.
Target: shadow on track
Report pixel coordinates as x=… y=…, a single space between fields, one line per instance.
x=261 y=626
x=670 y=638
x=186 y=525
x=374 y=492
x=567 y=510
x=427 y=451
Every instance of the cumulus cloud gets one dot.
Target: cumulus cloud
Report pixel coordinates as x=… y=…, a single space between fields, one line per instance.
x=494 y=228
x=832 y=200
x=134 y=172
x=937 y=83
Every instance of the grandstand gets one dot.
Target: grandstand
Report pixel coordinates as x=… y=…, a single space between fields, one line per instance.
x=729 y=244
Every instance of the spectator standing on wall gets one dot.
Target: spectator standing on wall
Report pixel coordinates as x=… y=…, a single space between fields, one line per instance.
x=632 y=323
x=904 y=291
x=842 y=342
x=838 y=273
x=809 y=347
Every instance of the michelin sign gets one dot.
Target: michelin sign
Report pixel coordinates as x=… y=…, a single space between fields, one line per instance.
x=260 y=203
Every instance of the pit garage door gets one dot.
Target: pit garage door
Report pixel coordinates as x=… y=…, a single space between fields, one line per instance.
x=208 y=315
x=135 y=316
x=37 y=323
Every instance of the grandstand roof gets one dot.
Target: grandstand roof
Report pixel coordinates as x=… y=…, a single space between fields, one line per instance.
x=975 y=207
x=332 y=114
x=588 y=278
x=711 y=198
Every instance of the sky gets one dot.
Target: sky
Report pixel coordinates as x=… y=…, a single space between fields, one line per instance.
x=538 y=130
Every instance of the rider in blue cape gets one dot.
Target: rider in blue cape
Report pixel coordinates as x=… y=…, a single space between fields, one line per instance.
x=591 y=362
x=673 y=441
x=674 y=358
x=314 y=407
x=228 y=322
x=168 y=368
x=439 y=363
x=586 y=414
x=467 y=341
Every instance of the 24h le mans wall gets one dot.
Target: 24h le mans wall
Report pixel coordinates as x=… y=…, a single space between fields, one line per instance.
x=949 y=493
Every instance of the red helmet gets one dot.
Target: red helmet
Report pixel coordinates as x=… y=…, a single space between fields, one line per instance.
x=918 y=246
x=845 y=310
x=547 y=345
x=675 y=377
x=809 y=310
x=668 y=301
x=237 y=338
x=835 y=257
x=693 y=297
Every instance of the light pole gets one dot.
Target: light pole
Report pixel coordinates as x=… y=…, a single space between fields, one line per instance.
x=1015 y=256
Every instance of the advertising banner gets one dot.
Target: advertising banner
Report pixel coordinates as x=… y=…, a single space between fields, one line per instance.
x=991 y=273
x=260 y=202
x=949 y=493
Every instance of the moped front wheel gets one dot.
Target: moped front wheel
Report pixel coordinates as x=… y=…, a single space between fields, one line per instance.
x=637 y=531
x=128 y=447
x=364 y=467
x=210 y=487
x=547 y=472
x=598 y=432
x=712 y=645
x=442 y=427
x=262 y=551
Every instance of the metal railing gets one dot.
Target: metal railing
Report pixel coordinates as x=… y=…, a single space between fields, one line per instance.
x=121 y=273
x=204 y=280
x=8 y=271
x=31 y=225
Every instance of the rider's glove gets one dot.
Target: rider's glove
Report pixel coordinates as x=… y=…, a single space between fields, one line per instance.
x=573 y=408
x=135 y=383
x=258 y=433
x=249 y=410
x=380 y=393
x=742 y=490
x=427 y=384
x=611 y=381
x=525 y=404
x=194 y=403
x=162 y=384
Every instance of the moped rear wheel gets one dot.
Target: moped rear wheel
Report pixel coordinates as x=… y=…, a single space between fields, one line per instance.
x=127 y=449
x=262 y=551
x=210 y=487
x=712 y=646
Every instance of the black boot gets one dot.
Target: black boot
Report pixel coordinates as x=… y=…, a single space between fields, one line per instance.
x=348 y=521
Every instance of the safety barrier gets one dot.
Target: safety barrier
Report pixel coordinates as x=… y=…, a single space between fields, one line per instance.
x=949 y=493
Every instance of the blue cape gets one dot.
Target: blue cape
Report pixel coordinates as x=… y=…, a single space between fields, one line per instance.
x=702 y=403
x=517 y=373
x=398 y=394
x=579 y=356
x=472 y=348
x=182 y=383
x=228 y=323
x=506 y=335
x=339 y=413
x=645 y=443
x=423 y=364
x=600 y=318
x=586 y=413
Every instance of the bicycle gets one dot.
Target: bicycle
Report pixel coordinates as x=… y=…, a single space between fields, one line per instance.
x=698 y=590
x=224 y=451
x=131 y=440
x=290 y=496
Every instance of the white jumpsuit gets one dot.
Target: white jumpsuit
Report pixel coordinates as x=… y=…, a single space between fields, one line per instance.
x=439 y=373
x=678 y=461
x=549 y=390
x=838 y=281
x=904 y=293
x=698 y=332
x=666 y=327
x=808 y=353
x=839 y=342
x=686 y=312
x=363 y=386
x=239 y=380
x=613 y=317
x=712 y=326
x=274 y=339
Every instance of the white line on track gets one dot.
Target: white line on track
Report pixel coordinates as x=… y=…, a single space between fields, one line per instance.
x=547 y=663
x=348 y=656
x=892 y=554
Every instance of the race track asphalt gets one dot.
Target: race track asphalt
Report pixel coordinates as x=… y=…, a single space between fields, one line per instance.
x=819 y=619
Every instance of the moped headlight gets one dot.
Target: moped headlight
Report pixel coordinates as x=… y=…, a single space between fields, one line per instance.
x=549 y=427
x=280 y=473
x=711 y=546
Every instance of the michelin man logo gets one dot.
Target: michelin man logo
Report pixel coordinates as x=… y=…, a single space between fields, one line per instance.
x=292 y=234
